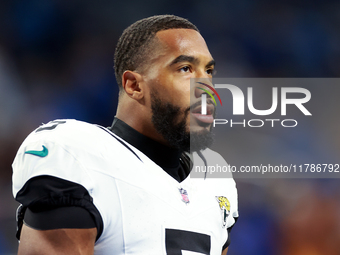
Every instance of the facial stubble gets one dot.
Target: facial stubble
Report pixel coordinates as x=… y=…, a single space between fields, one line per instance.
x=170 y=121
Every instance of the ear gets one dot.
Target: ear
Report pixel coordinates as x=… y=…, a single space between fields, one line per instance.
x=131 y=84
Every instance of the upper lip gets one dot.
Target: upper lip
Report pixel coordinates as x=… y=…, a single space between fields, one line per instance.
x=210 y=109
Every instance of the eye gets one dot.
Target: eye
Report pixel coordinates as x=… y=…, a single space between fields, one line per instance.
x=211 y=71
x=185 y=69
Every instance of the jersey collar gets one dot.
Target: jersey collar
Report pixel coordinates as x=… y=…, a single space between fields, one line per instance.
x=162 y=155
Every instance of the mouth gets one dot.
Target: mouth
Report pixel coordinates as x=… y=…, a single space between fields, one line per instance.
x=204 y=118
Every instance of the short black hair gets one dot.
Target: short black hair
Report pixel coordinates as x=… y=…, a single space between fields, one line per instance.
x=132 y=46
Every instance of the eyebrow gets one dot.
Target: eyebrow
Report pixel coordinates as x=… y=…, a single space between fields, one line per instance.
x=184 y=58
x=211 y=63
x=190 y=59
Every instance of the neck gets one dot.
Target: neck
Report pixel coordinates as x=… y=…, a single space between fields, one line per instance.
x=136 y=119
x=161 y=154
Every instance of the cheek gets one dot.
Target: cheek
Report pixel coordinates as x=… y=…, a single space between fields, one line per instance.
x=181 y=93
x=172 y=89
x=174 y=92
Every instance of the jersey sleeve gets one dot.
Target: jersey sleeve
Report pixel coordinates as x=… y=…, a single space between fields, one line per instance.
x=233 y=216
x=49 y=172
x=228 y=185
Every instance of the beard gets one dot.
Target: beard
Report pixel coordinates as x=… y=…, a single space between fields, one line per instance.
x=168 y=122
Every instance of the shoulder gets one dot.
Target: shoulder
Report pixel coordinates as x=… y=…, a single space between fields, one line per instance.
x=64 y=131
x=211 y=167
x=221 y=177
x=72 y=136
x=211 y=164
x=213 y=157
x=72 y=150
x=65 y=149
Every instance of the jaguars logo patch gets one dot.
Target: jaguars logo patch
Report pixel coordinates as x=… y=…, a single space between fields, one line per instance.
x=224 y=204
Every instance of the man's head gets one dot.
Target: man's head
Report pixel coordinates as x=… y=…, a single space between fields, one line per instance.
x=136 y=42
x=155 y=60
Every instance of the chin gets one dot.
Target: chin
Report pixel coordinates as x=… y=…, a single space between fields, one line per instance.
x=199 y=129
x=200 y=140
x=197 y=126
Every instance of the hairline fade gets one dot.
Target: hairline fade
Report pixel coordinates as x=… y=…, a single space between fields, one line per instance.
x=133 y=45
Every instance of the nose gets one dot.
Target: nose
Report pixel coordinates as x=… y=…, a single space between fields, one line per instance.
x=203 y=86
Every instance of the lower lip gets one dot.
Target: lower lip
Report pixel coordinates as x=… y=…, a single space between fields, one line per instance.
x=203 y=118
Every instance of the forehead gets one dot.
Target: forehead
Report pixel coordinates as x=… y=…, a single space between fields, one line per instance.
x=183 y=42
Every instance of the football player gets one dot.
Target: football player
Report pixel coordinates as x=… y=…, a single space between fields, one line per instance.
x=85 y=189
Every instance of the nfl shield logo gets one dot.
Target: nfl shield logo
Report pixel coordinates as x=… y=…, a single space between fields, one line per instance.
x=184 y=195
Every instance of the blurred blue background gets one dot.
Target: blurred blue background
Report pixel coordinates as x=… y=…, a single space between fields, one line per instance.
x=56 y=62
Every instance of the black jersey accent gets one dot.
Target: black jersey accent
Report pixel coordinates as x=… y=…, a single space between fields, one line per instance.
x=120 y=142
x=177 y=240
x=199 y=153
x=61 y=217
x=162 y=155
x=227 y=243
x=186 y=164
x=174 y=162
x=45 y=193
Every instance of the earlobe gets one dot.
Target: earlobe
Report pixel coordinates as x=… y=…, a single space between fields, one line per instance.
x=131 y=84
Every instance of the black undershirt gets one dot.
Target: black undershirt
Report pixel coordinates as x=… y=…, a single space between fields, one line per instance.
x=169 y=159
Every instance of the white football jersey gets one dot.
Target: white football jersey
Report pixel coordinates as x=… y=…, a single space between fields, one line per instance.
x=143 y=209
